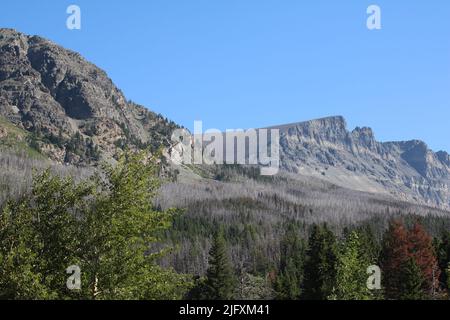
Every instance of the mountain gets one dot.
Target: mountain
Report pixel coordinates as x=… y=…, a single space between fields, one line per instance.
x=72 y=110
x=57 y=110
x=56 y=105
x=407 y=170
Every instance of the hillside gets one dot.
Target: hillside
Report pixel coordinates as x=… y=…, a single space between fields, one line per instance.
x=406 y=170
x=72 y=109
x=58 y=110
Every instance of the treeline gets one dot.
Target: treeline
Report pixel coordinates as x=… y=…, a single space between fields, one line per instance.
x=17 y=168
x=413 y=267
x=255 y=213
x=241 y=242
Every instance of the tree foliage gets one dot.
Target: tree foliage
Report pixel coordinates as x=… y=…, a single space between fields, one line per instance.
x=220 y=281
x=408 y=250
x=352 y=263
x=105 y=225
x=320 y=265
x=289 y=281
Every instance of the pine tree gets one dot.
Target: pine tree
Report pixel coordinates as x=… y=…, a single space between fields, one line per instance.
x=290 y=275
x=420 y=246
x=448 y=276
x=443 y=254
x=252 y=287
x=394 y=256
x=351 y=277
x=369 y=243
x=400 y=246
x=220 y=279
x=411 y=281
x=320 y=265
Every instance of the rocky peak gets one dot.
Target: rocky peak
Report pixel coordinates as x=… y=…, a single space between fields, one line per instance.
x=66 y=101
x=319 y=131
x=365 y=137
x=444 y=157
x=355 y=159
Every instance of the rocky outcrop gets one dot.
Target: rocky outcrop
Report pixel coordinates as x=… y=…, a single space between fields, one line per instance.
x=407 y=170
x=69 y=103
x=75 y=114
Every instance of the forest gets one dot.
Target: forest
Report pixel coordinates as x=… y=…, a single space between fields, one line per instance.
x=268 y=238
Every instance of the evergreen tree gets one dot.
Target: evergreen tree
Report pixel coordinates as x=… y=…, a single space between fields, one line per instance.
x=394 y=256
x=369 y=243
x=220 y=279
x=400 y=246
x=290 y=275
x=443 y=255
x=411 y=281
x=421 y=249
x=351 y=276
x=320 y=265
x=448 y=276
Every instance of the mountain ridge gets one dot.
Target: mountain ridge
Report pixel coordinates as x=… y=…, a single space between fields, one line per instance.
x=408 y=169
x=74 y=114
x=73 y=109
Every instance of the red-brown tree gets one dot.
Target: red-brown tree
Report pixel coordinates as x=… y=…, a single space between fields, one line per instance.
x=420 y=248
x=400 y=245
x=394 y=255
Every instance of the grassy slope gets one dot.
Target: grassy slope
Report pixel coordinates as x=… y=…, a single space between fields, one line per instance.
x=16 y=141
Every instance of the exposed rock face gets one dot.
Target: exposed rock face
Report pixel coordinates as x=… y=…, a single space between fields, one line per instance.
x=76 y=115
x=407 y=170
x=70 y=103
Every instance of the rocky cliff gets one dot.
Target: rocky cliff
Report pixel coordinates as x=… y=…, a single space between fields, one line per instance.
x=70 y=111
x=74 y=111
x=354 y=159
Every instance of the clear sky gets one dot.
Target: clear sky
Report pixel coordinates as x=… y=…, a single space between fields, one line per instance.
x=253 y=63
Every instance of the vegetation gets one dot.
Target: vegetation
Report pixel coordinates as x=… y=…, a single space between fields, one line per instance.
x=116 y=226
x=220 y=282
x=105 y=225
x=352 y=263
x=320 y=265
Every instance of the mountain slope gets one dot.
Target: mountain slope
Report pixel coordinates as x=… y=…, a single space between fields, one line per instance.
x=73 y=109
x=57 y=103
x=325 y=148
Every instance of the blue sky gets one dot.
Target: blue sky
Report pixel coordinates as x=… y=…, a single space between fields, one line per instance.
x=254 y=63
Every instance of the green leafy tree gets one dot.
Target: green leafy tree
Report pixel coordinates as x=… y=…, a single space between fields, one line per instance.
x=320 y=265
x=18 y=276
x=107 y=226
x=220 y=279
x=351 y=267
x=117 y=234
x=252 y=287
